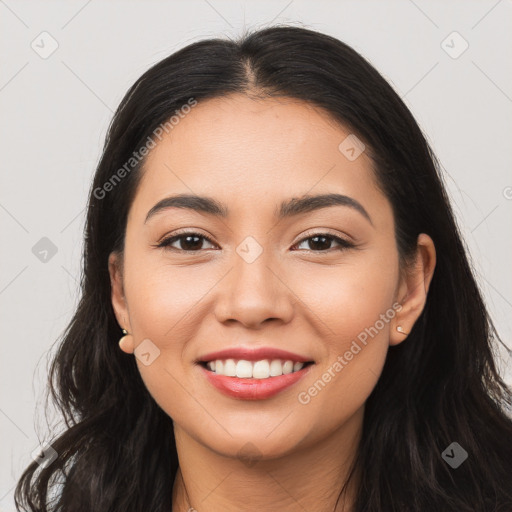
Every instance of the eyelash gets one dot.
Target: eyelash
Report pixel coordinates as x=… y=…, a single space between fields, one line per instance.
x=166 y=242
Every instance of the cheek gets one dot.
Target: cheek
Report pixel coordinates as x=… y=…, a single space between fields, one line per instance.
x=354 y=304
x=165 y=305
x=161 y=298
x=341 y=388
x=348 y=298
x=355 y=344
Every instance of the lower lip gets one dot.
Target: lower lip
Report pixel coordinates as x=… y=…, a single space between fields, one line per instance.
x=253 y=389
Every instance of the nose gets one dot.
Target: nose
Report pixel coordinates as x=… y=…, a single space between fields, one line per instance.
x=254 y=293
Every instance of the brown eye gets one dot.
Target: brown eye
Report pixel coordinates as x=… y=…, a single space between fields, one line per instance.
x=191 y=242
x=322 y=242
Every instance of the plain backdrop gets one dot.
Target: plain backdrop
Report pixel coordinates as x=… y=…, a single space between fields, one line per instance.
x=66 y=65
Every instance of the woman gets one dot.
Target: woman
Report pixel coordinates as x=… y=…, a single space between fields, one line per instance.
x=269 y=239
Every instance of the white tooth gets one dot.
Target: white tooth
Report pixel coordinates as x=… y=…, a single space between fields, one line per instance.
x=258 y=370
x=276 y=368
x=261 y=370
x=244 y=369
x=287 y=367
x=230 y=368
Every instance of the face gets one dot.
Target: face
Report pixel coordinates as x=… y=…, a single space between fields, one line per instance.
x=322 y=283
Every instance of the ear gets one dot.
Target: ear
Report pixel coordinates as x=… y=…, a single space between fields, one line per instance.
x=115 y=269
x=413 y=289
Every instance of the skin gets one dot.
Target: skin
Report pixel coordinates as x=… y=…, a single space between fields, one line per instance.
x=250 y=155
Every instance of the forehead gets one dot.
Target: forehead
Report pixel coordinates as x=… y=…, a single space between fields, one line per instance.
x=247 y=152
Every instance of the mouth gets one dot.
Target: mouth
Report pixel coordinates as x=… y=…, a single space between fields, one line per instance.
x=253 y=380
x=260 y=369
x=253 y=373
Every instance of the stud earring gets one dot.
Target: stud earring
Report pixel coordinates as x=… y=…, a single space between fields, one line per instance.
x=399 y=328
x=124 y=339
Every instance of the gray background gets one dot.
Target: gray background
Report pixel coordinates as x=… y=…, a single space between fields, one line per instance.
x=56 y=109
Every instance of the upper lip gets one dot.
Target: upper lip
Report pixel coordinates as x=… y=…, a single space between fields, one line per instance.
x=253 y=354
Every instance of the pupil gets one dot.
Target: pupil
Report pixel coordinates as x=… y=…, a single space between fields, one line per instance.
x=326 y=242
x=192 y=245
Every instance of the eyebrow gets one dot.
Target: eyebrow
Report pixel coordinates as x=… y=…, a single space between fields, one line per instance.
x=289 y=208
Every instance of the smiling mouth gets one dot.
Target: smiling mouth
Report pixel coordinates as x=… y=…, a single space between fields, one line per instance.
x=262 y=369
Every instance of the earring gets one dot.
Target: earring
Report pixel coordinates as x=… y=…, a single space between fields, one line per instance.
x=124 y=340
x=399 y=328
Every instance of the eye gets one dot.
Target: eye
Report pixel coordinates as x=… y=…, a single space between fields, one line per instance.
x=189 y=242
x=192 y=242
x=321 y=242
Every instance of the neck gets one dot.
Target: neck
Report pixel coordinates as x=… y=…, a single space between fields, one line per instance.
x=307 y=479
